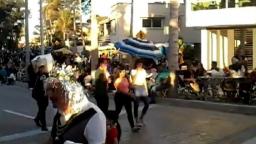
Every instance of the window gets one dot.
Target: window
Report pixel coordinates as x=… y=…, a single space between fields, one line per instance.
x=146 y=23
x=111 y=27
x=153 y=22
x=157 y=22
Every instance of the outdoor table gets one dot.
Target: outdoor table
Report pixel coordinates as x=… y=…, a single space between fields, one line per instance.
x=210 y=86
x=242 y=83
x=240 y=88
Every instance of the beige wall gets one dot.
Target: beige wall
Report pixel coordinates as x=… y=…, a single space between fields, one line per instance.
x=121 y=13
x=191 y=35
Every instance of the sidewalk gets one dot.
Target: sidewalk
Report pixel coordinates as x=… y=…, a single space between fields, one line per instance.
x=207 y=105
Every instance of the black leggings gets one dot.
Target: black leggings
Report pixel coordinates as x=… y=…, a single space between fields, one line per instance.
x=136 y=106
x=42 y=106
x=102 y=103
x=125 y=100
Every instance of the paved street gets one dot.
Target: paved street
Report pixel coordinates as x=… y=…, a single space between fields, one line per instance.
x=165 y=124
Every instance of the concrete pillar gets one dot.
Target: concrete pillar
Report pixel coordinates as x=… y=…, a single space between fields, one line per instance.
x=231 y=46
x=209 y=54
x=254 y=48
x=214 y=46
x=105 y=30
x=225 y=52
x=219 y=48
x=204 y=48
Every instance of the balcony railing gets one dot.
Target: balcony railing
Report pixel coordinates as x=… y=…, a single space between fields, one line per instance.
x=220 y=4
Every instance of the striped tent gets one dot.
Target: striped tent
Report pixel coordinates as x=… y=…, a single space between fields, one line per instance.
x=140 y=48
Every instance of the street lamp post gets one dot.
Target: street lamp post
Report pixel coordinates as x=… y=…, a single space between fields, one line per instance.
x=27 y=34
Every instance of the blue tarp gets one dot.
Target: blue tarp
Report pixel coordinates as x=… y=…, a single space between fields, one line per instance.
x=139 y=48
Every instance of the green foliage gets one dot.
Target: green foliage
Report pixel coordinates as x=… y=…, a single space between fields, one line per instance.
x=59 y=16
x=11 y=16
x=190 y=52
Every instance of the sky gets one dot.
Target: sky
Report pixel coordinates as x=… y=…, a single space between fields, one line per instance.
x=103 y=8
x=34 y=16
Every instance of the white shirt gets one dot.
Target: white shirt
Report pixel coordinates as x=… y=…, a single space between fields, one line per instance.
x=139 y=82
x=138 y=76
x=95 y=130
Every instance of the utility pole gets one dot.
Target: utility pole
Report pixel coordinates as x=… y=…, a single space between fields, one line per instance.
x=131 y=25
x=41 y=27
x=27 y=34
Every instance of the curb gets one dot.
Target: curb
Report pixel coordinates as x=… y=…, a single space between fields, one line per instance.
x=207 y=105
x=21 y=84
x=215 y=106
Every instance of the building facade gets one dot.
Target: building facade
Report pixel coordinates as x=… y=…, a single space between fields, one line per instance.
x=151 y=20
x=225 y=25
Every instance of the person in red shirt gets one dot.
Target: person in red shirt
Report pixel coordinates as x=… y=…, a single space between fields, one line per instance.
x=113 y=128
x=112 y=133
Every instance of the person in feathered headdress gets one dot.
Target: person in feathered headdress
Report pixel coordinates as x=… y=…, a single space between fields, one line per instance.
x=77 y=120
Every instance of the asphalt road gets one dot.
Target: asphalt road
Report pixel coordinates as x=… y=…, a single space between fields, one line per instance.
x=164 y=124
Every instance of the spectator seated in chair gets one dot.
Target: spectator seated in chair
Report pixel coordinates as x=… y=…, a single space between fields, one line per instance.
x=162 y=82
x=3 y=75
x=11 y=79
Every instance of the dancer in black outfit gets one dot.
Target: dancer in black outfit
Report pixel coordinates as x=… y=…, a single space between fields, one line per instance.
x=38 y=94
x=101 y=93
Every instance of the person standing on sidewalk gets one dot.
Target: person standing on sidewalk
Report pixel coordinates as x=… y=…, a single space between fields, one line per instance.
x=139 y=84
x=38 y=93
x=123 y=98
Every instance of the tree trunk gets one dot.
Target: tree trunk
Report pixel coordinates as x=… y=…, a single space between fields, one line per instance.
x=94 y=39
x=51 y=31
x=172 y=55
x=64 y=35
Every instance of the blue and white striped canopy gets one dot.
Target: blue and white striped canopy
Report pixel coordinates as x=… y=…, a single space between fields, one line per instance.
x=139 y=48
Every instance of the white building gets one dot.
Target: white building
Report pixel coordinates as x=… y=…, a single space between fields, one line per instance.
x=225 y=25
x=150 y=18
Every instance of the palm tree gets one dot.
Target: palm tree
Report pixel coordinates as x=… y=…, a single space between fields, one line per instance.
x=11 y=16
x=64 y=22
x=51 y=14
x=58 y=15
x=173 y=41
